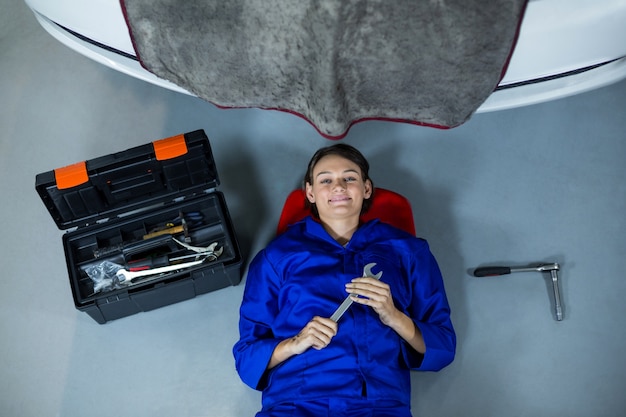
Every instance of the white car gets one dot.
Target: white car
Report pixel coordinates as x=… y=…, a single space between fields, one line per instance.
x=564 y=46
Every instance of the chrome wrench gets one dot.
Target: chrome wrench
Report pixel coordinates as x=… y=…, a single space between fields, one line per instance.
x=125 y=276
x=367 y=273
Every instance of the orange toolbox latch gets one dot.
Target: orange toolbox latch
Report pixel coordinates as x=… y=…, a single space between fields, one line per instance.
x=71 y=175
x=169 y=148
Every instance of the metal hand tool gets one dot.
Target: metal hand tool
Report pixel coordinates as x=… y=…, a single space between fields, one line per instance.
x=367 y=272
x=181 y=224
x=125 y=276
x=169 y=229
x=553 y=268
x=208 y=251
x=107 y=275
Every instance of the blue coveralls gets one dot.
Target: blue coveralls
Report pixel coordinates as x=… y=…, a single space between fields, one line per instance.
x=302 y=273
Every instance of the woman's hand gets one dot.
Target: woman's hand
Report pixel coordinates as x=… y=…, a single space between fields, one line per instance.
x=317 y=334
x=376 y=294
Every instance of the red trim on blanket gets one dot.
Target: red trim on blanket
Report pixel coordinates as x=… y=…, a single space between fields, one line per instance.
x=365 y=119
x=353 y=122
x=345 y=132
x=132 y=37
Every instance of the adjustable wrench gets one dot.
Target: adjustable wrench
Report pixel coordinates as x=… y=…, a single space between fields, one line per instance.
x=367 y=272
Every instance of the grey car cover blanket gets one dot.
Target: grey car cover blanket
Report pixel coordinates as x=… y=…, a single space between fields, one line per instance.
x=333 y=62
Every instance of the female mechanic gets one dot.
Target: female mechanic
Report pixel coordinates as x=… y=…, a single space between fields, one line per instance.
x=309 y=365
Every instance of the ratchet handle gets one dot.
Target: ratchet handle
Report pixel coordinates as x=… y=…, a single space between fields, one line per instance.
x=490 y=271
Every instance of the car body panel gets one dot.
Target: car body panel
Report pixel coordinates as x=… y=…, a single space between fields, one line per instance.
x=564 y=46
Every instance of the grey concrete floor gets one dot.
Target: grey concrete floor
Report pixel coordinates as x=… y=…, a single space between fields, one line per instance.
x=534 y=184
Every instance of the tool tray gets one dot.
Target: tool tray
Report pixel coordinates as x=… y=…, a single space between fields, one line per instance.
x=137 y=209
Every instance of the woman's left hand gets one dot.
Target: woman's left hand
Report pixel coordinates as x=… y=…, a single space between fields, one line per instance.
x=376 y=294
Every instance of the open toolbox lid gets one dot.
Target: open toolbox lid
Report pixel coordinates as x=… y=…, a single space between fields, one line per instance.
x=129 y=181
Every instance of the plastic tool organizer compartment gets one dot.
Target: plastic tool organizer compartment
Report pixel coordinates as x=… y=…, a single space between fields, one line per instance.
x=141 y=209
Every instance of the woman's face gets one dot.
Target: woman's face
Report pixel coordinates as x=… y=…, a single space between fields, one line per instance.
x=337 y=188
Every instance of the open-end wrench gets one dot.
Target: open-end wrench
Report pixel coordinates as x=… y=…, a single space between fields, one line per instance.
x=367 y=272
x=201 y=249
x=125 y=276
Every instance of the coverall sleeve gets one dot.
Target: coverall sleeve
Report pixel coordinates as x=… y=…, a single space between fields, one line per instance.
x=258 y=309
x=430 y=311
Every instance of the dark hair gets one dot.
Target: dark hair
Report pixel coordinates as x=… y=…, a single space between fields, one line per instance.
x=345 y=151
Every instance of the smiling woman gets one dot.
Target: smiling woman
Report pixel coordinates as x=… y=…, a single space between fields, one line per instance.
x=301 y=355
x=338 y=187
x=337 y=191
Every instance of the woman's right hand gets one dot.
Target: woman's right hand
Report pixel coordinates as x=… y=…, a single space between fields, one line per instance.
x=317 y=334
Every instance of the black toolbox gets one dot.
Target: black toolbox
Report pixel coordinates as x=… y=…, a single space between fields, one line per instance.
x=152 y=210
